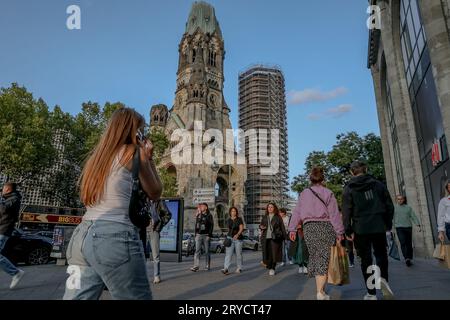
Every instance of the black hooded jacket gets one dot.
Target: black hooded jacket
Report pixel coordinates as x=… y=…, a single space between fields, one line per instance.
x=9 y=212
x=366 y=206
x=207 y=220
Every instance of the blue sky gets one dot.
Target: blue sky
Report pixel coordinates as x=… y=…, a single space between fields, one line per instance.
x=128 y=51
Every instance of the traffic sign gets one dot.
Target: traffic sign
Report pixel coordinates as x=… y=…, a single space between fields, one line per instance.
x=200 y=199
x=204 y=192
x=50 y=218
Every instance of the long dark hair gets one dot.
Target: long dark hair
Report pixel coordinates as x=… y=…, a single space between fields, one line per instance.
x=237 y=212
x=275 y=211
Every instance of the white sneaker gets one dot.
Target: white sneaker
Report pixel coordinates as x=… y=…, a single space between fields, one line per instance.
x=305 y=270
x=16 y=279
x=322 y=296
x=271 y=272
x=156 y=280
x=386 y=290
x=300 y=270
x=282 y=264
x=291 y=262
x=370 y=297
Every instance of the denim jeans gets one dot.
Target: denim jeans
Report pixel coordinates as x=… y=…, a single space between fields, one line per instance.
x=236 y=246
x=5 y=264
x=286 y=244
x=154 y=245
x=199 y=240
x=106 y=253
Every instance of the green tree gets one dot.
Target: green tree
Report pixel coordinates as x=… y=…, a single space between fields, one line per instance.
x=160 y=144
x=25 y=135
x=79 y=135
x=336 y=163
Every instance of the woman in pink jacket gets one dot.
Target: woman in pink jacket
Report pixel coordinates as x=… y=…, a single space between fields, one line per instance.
x=317 y=209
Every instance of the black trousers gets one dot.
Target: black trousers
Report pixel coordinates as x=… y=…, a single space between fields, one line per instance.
x=405 y=238
x=364 y=243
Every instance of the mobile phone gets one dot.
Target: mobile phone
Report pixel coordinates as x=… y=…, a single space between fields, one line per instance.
x=139 y=136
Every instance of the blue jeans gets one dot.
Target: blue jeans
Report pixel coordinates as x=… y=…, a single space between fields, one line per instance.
x=236 y=246
x=286 y=245
x=199 y=240
x=5 y=264
x=106 y=253
x=154 y=245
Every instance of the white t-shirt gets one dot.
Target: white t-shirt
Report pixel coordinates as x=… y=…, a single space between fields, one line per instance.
x=443 y=213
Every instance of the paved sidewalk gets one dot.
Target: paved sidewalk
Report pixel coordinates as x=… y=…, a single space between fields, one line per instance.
x=424 y=280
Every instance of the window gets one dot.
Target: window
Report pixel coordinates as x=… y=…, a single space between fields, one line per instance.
x=194 y=53
x=212 y=58
x=412 y=36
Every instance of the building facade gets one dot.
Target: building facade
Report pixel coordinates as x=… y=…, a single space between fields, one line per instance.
x=200 y=105
x=262 y=105
x=409 y=58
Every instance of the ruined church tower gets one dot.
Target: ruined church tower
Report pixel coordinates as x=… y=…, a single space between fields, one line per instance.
x=199 y=97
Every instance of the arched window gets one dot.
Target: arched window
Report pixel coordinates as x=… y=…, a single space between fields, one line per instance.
x=194 y=53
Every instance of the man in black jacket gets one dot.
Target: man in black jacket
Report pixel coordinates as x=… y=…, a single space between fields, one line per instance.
x=367 y=212
x=9 y=215
x=204 y=225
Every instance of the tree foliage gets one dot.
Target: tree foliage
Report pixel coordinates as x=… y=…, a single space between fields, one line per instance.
x=336 y=163
x=160 y=144
x=26 y=148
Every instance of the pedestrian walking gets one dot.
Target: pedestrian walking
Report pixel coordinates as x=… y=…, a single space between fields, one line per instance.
x=273 y=235
x=286 y=242
x=155 y=237
x=204 y=225
x=235 y=229
x=317 y=210
x=368 y=211
x=9 y=214
x=443 y=219
x=404 y=218
x=350 y=247
x=300 y=255
x=105 y=248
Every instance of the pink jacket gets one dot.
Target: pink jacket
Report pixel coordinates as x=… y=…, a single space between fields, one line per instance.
x=310 y=208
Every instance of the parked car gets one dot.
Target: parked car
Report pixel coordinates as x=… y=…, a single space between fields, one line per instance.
x=47 y=234
x=216 y=245
x=250 y=243
x=28 y=248
x=188 y=247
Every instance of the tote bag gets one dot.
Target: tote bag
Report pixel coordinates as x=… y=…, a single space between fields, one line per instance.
x=338 y=269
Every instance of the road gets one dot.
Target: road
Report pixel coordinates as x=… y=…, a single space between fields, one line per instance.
x=425 y=280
